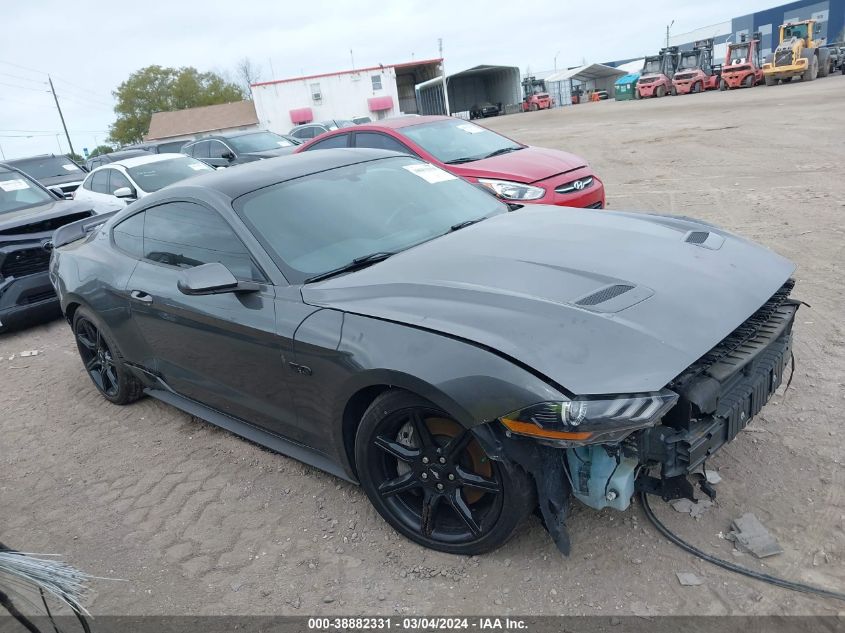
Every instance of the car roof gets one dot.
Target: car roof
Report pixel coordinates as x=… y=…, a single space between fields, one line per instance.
x=404 y=121
x=36 y=157
x=146 y=159
x=122 y=154
x=242 y=179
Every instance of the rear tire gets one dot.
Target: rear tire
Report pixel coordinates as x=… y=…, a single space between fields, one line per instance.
x=428 y=477
x=534 y=107
x=769 y=80
x=103 y=361
x=723 y=85
x=661 y=91
x=696 y=87
x=748 y=82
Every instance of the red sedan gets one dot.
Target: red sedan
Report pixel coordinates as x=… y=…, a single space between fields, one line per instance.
x=513 y=171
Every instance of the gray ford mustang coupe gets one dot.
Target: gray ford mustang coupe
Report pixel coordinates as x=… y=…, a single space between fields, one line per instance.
x=465 y=360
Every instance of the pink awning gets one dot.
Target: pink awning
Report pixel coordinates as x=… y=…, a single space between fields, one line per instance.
x=301 y=115
x=377 y=104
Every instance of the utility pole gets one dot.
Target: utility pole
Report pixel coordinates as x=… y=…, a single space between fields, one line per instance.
x=668 y=26
x=61 y=116
x=443 y=76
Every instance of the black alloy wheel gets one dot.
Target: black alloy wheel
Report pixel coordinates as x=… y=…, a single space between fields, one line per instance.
x=102 y=360
x=431 y=480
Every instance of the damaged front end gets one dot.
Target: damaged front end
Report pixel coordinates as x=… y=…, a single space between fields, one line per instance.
x=25 y=248
x=602 y=450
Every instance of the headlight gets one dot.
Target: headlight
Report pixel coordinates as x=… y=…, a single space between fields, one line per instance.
x=513 y=190
x=588 y=420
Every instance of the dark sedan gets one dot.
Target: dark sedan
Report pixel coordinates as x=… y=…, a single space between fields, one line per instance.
x=29 y=214
x=465 y=360
x=236 y=149
x=58 y=173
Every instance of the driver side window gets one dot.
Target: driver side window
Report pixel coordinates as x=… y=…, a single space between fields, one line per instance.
x=186 y=234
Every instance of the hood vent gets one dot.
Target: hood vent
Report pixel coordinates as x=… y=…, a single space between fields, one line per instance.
x=697 y=237
x=605 y=294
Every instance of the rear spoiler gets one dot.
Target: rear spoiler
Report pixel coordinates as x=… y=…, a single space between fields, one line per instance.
x=79 y=229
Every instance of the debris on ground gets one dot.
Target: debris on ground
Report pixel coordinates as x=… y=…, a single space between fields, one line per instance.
x=693 y=508
x=712 y=476
x=820 y=558
x=750 y=535
x=29 y=352
x=688 y=579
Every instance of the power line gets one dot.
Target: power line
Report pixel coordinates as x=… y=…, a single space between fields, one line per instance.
x=3 y=83
x=38 y=81
x=73 y=86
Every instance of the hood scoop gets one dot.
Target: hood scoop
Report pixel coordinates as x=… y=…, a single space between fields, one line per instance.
x=613 y=298
x=705 y=239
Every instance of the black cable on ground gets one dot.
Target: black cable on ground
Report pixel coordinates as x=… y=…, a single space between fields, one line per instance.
x=773 y=580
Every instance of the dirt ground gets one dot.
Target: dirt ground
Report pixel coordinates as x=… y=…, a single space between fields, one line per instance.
x=197 y=521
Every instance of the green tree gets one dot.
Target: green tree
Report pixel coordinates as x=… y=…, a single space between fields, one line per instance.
x=76 y=158
x=101 y=149
x=160 y=89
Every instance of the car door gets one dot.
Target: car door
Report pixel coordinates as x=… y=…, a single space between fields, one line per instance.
x=221 y=350
x=95 y=189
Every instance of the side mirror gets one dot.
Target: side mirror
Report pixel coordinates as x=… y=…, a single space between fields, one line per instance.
x=212 y=279
x=57 y=191
x=125 y=193
x=229 y=156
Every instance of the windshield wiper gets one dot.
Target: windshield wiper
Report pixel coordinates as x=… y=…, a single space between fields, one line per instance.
x=465 y=223
x=465 y=159
x=504 y=150
x=356 y=264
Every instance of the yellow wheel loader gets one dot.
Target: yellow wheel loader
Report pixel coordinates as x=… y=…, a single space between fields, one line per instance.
x=797 y=55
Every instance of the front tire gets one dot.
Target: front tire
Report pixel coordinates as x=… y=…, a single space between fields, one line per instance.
x=431 y=480
x=102 y=360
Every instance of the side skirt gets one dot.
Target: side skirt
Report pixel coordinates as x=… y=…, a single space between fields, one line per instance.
x=250 y=432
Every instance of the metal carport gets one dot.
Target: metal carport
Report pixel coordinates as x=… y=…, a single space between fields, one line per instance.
x=474 y=86
x=591 y=77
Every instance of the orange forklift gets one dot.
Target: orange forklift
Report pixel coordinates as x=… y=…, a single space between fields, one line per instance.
x=743 y=66
x=696 y=70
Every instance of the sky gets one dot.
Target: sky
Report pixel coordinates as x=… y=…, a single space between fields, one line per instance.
x=89 y=47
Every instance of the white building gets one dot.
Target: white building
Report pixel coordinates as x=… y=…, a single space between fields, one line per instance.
x=379 y=92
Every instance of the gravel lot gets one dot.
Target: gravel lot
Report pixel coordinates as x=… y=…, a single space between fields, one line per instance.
x=200 y=522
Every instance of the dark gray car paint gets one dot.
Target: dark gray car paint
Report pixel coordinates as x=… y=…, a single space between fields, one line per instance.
x=481 y=284
x=470 y=321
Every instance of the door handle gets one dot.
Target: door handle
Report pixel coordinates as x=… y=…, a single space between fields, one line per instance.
x=140 y=295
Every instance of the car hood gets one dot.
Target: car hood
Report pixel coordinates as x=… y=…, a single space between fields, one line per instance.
x=38 y=213
x=272 y=153
x=530 y=284
x=527 y=165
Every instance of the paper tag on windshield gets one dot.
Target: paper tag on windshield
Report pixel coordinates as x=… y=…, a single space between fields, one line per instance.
x=13 y=185
x=198 y=167
x=69 y=167
x=470 y=128
x=283 y=143
x=430 y=173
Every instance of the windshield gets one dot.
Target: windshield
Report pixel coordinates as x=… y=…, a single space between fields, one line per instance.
x=652 y=66
x=258 y=142
x=689 y=60
x=323 y=221
x=48 y=167
x=19 y=192
x=797 y=30
x=457 y=141
x=154 y=176
x=739 y=54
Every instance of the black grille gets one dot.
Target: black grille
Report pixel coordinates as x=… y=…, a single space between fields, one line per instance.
x=47 y=225
x=697 y=237
x=757 y=324
x=605 y=294
x=35 y=297
x=25 y=262
x=783 y=58
x=595 y=205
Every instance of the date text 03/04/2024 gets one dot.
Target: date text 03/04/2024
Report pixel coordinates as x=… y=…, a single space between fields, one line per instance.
x=415 y=623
